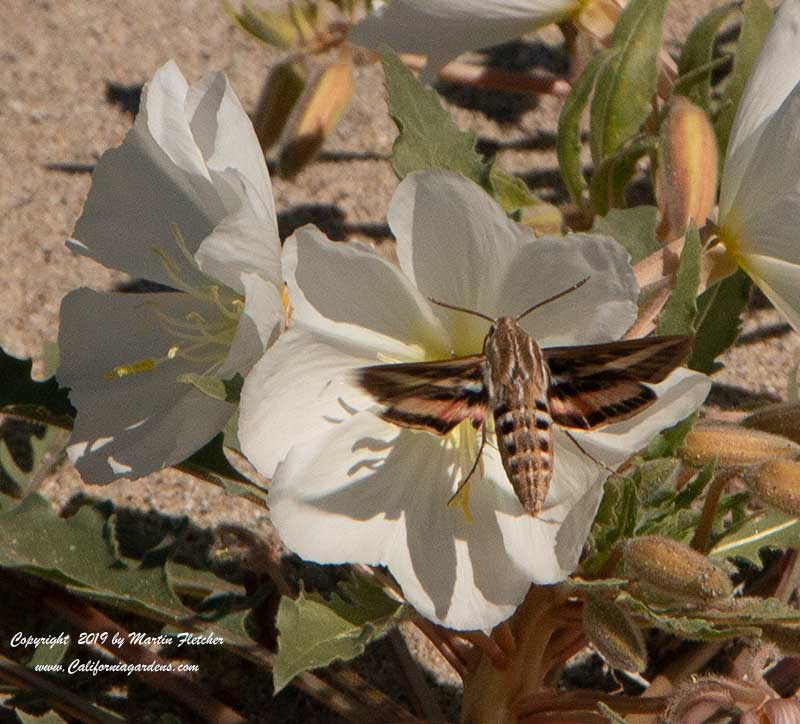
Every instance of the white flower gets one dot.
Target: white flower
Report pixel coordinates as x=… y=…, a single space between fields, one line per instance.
x=350 y=487
x=759 y=202
x=185 y=202
x=443 y=29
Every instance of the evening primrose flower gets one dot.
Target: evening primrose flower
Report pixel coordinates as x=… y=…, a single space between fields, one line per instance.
x=443 y=29
x=348 y=486
x=760 y=190
x=184 y=202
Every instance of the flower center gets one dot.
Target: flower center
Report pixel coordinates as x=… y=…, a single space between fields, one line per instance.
x=203 y=335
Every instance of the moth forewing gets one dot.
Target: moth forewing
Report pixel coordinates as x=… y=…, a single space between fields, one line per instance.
x=528 y=389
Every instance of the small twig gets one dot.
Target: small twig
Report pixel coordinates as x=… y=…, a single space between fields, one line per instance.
x=57 y=696
x=421 y=693
x=552 y=701
x=375 y=703
x=702 y=534
x=484 y=77
x=451 y=651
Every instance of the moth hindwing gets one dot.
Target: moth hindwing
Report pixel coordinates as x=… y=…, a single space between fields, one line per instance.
x=527 y=389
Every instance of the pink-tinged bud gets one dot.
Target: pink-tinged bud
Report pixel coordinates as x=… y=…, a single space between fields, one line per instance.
x=614 y=634
x=597 y=18
x=731 y=446
x=674 y=569
x=777 y=483
x=687 y=169
x=325 y=100
x=775 y=711
x=281 y=92
x=782 y=418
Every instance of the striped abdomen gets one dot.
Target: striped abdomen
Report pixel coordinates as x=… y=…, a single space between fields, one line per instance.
x=517 y=383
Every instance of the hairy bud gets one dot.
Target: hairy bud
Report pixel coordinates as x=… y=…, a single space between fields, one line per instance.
x=687 y=169
x=614 y=634
x=731 y=445
x=323 y=103
x=282 y=89
x=674 y=569
x=782 y=418
x=777 y=483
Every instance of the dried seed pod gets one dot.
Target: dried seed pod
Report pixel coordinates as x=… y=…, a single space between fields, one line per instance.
x=687 y=169
x=281 y=92
x=614 y=634
x=731 y=445
x=777 y=483
x=782 y=418
x=674 y=569
x=325 y=99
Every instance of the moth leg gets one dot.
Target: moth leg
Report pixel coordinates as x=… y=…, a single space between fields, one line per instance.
x=472 y=470
x=588 y=454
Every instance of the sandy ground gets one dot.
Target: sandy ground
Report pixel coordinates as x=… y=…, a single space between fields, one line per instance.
x=57 y=59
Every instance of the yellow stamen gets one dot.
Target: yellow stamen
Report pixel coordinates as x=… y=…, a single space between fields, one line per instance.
x=134 y=368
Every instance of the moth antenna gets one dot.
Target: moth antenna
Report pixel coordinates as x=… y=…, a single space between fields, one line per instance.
x=473 y=468
x=591 y=457
x=553 y=298
x=463 y=309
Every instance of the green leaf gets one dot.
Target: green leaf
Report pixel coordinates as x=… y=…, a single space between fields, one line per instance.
x=21 y=395
x=719 y=313
x=75 y=553
x=210 y=464
x=45 y=452
x=616 y=519
x=668 y=441
x=49 y=717
x=607 y=188
x=692 y=624
x=314 y=632
x=49 y=654
x=568 y=144
x=428 y=137
x=216 y=388
x=697 y=53
x=611 y=716
x=634 y=228
x=755 y=24
x=678 y=315
x=768 y=528
x=626 y=85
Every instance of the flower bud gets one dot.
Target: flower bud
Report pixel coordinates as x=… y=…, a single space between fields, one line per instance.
x=731 y=445
x=282 y=89
x=316 y=115
x=687 y=169
x=674 y=569
x=777 y=483
x=269 y=27
x=597 y=18
x=614 y=634
x=774 y=711
x=782 y=418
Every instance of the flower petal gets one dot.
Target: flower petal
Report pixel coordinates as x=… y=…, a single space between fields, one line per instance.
x=132 y=425
x=443 y=29
x=224 y=134
x=780 y=281
x=601 y=310
x=301 y=386
x=763 y=216
x=155 y=179
x=260 y=323
x=335 y=286
x=455 y=243
x=369 y=492
x=775 y=74
x=243 y=241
